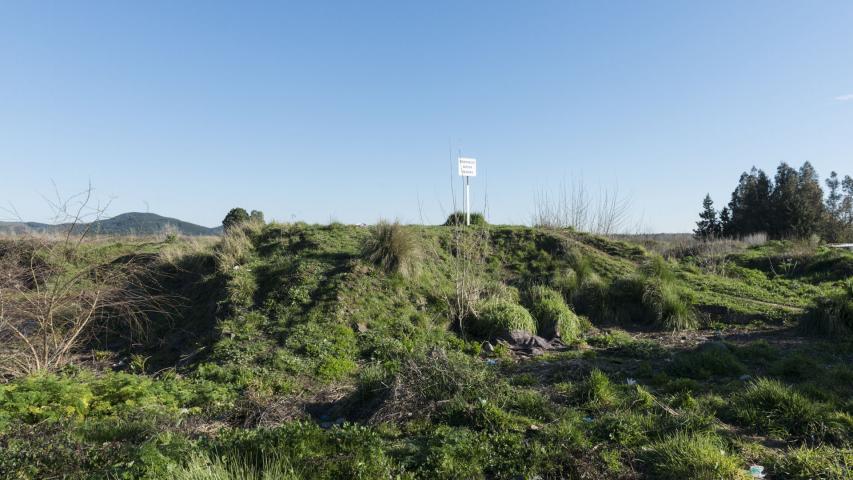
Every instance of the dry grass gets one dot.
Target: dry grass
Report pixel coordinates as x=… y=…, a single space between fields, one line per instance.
x=53 y=301
x=392 y=248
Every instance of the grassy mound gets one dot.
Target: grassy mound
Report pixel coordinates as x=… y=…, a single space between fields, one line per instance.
x=496 y=317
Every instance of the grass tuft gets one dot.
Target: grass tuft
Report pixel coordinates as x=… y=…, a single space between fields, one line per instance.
x=831 y=316
x=695 y=456
x=496 y=317
x=553 y=317
x=392 y=248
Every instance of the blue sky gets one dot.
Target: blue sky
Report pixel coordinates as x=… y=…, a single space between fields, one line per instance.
x=348 y=110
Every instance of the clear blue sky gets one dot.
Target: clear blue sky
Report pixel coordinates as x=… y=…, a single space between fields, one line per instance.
x=346 y=110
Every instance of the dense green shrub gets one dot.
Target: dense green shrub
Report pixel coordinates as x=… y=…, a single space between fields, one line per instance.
x=235 y=217
x=694 y=456
x=497 y=317
x=458 y=219
x=553 y=316
x=392 y=248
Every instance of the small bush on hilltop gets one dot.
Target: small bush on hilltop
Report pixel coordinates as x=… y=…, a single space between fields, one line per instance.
x=553 y=316
x=458 y=219
x=391 y=248
x=235 y=217
x=496 y=317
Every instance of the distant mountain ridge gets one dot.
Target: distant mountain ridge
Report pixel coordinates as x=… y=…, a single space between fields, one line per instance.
x=131 y=223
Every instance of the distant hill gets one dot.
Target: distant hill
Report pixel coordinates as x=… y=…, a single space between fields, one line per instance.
x=132 y=223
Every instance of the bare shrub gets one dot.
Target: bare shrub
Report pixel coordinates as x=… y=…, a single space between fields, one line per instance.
x=57 y=294
x=574 y=206
x=470 y=249
x=427 y=381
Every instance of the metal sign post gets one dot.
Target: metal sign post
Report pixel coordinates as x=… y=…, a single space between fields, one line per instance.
x=467 y=169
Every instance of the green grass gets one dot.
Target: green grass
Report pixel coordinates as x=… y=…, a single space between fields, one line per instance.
x=498 y=317
x=299 y=353
x=553 y=316
x=701 y=457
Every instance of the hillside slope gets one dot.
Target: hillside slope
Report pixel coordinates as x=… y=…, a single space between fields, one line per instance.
x=131 y=223
x=301 y=352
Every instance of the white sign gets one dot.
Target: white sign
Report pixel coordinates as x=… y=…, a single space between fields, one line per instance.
x=467 y=167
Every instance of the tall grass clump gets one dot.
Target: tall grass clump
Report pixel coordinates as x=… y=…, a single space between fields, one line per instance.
x=668 y=305
x=831 y=315
x=652 y=295
x=694 y=456
x=392 y=248
x=496 y=317
x=553 y=317
x=580 y=283
x=232 y=467
x=771 y=407
x=236 y=246
x=806 y=463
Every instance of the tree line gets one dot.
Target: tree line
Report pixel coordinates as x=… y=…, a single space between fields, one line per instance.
x=791 y=205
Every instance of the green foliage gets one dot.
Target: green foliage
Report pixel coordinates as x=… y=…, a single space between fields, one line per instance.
x=392 y=248
x=235 y=217
x=708 y=226
x=700 y=457
x=496 y=317
x=458 y=219
x=553 y=316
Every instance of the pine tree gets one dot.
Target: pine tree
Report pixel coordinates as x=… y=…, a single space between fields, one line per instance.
x=750 y=206
x=707 y=227
x=725 y=222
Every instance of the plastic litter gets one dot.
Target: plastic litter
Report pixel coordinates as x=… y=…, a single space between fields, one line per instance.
x=756 y=471
x=631 y=381
x=491 y=361
x=587 y=419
